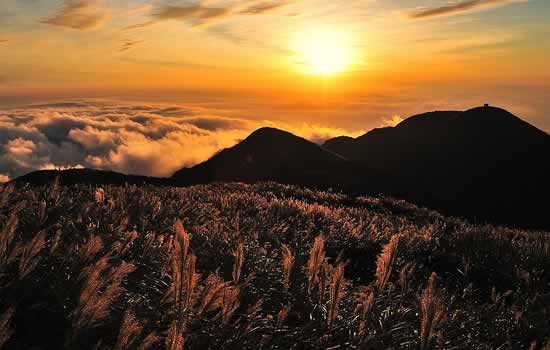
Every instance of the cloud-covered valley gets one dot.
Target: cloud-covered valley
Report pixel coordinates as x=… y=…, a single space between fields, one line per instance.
x=136 y=138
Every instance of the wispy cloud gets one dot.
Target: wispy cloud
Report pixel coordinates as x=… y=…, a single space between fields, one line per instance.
x=165 y=63
x=128 y=44
x=196 y=14
x=78 y=14
x=263 y=7
x=453 y=8
x=199 y=13
x=393 y=121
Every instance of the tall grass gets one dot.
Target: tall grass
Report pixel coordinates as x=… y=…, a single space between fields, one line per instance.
x=234 y=266
x=432 y=312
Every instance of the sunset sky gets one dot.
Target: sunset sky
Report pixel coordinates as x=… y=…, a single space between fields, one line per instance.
x=350 y=66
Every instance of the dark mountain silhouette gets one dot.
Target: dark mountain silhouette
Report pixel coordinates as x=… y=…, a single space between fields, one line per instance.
x=89 y=176
x=276 y=155
x=484 y=163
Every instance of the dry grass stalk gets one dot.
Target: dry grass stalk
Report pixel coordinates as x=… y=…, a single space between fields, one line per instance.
x=6 y=238
x=6 y=330
x=129 y=239
x=288 y=262
x=92 y=247
x=7 y=190
x=336 y=292
x=56 y=240
x=130 y=329
x=281 y=316
x=190 y=282
x=211 y=293
x=324 y=275
x=238 y=263
x=54 y=190
x=148 y=246
x=405 y=276
x=148 y=342
x=174 y=339
x=432 y=311
x=181 y=246
x=41 y=215
x=99 y=195
x=384 y=262
x=168 y=247
x=178 y=259
x=29 y=258
x=315 y=262
x=102 y=286
x=230 y=303
x=184 y=282
x=365 y=302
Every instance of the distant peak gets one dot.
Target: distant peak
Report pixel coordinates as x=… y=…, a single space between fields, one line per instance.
x=271 y=134
x=489 y=114
x=488 y=108
x=267 y=131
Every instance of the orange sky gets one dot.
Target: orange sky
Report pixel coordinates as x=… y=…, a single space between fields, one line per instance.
x=325 y=65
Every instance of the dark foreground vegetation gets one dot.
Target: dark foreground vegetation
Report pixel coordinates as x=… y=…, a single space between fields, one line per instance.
x=260 y=266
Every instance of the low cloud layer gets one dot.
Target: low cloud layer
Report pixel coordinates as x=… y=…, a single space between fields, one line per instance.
x=78 y=14
x=456 y=7
x=131 y=138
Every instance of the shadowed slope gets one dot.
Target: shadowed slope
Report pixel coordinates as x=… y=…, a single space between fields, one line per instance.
x=272 y=154
x=88 y=176
x=484 y=162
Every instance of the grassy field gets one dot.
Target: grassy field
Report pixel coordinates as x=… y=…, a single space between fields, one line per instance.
x=260 y=266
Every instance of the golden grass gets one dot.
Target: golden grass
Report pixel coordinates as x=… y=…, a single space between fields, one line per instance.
x=432 y=312
x=385 y=261
x=336 y=292
x=238 y=254
x=315 y=262
x=130 y=329
x=364 y=303
x=288 y=263
x=128 y=275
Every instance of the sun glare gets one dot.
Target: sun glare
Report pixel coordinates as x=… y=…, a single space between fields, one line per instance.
x=323 y=51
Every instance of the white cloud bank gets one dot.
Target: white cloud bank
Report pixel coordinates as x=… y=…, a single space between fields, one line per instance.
x=131 y=138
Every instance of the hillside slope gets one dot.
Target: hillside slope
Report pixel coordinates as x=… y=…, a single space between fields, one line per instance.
x=235 y=266
x=484 y=163
x=277 y=155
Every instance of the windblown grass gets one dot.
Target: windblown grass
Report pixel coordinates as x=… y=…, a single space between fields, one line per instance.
x=260 y=266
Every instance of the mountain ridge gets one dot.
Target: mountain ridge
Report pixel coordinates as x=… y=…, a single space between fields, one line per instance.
x=483 y=163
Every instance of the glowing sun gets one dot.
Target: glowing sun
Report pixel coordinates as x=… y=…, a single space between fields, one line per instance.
x=323 y=51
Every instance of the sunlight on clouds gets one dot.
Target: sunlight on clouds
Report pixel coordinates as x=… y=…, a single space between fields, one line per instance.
x=136 y=138
x=393 y=121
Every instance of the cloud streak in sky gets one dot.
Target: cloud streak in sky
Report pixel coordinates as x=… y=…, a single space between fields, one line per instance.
x=195 y=13
x=78 y=14
x=263 y=7
x=200 y=14
x=457 y=7
x=128 y=44
x=130 y=138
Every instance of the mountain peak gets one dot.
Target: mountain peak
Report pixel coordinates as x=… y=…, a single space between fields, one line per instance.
x=269 y=134
x=268 y=131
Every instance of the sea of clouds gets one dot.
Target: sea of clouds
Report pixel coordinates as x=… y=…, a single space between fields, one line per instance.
x=133 y=138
